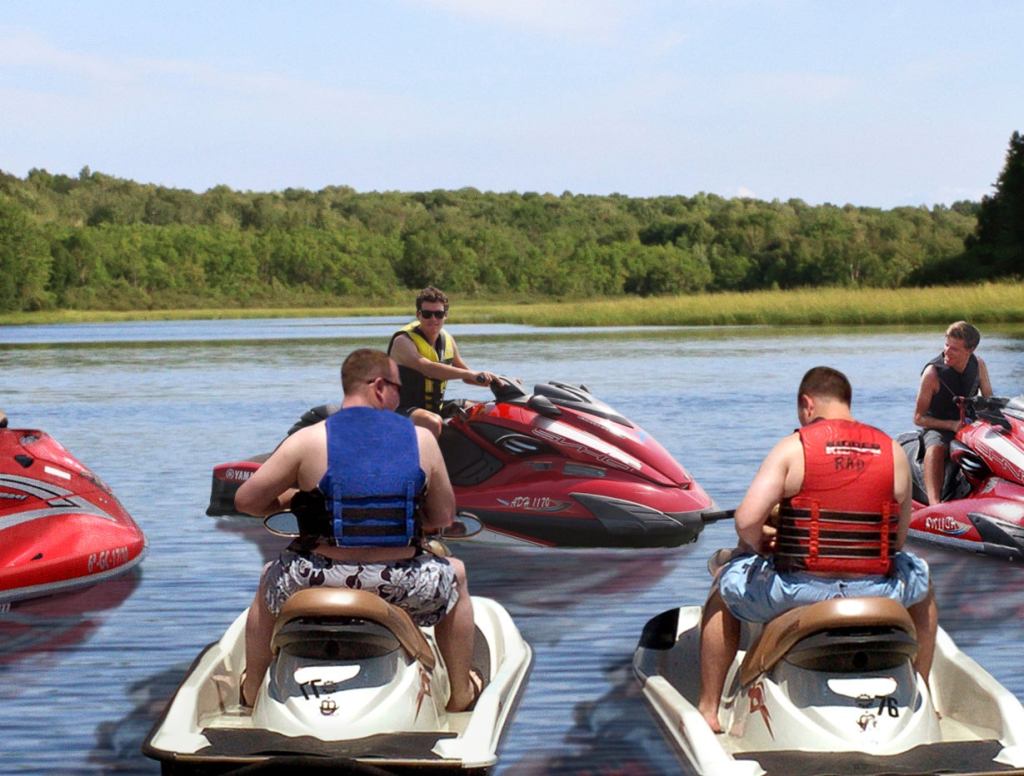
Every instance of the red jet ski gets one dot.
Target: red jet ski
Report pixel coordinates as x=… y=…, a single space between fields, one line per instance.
x=982 y=507
x=556 y=468
x=60 y=526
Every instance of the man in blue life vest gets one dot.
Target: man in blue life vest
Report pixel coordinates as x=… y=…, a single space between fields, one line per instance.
x=852 y=482
x=427 y=358
x=956 y=371
x=365 y=483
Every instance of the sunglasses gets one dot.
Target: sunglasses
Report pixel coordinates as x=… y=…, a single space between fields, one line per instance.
x=439 y=314
x=392 y=383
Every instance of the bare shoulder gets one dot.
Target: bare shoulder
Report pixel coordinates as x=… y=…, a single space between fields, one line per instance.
x=402 y=343
x=929 y=377
x=900 y=472
x=309 y=434
x=785 y=463
x=789 y=447
x=783 y=457
x=899 y=456
x=430 y=453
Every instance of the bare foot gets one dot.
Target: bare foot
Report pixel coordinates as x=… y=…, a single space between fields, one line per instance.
x=712 y=719
x=466 y=701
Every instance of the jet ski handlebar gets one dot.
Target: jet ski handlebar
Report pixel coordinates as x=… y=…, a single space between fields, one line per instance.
x=714 y=517
x=464 y=526
x=980 y=402
x=987 y=408
x=507 y=388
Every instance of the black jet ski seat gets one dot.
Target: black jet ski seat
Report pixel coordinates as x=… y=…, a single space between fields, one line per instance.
x=841 y=634
x=328 y=622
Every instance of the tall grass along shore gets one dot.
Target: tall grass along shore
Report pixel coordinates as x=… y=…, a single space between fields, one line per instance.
x=992 y=303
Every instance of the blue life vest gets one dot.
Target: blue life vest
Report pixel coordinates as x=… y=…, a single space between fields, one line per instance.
x=373 y=478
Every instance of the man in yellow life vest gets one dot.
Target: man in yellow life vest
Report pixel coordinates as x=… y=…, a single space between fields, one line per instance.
x=427 y=359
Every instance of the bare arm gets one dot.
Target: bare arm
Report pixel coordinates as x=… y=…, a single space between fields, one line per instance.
x=928 y=388
x=901 y=490
x=405 y=354
x=476 y=378
x=983 y=381
x=268 y=490
x=768 y=488
x=439 y=505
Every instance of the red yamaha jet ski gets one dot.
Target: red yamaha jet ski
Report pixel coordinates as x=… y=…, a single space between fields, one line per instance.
x=60 y=526
x=556 y=468
x=982 y=507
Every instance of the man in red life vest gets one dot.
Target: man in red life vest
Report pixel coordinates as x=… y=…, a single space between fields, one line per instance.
x=956 y=371
x=854 y=482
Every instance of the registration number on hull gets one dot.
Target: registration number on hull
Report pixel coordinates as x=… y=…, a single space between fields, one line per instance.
x=107 y=559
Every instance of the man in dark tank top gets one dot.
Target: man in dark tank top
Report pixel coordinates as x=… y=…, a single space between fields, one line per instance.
x=956 y=371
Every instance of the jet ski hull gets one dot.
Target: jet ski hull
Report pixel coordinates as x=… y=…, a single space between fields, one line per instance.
x=324 y=710
x=991 y=524
x=794 y=720
x=982 y=507
x=557 y=468
x=60 y=526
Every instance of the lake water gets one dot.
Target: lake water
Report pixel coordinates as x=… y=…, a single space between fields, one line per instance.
x=151 y=407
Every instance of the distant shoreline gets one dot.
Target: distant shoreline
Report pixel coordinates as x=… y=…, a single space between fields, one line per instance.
x=986 y=303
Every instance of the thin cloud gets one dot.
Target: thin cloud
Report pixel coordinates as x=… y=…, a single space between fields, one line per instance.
x=21 y=48
x=595 y=20
x=125 y=79
x=670 y=41
x=798 y=87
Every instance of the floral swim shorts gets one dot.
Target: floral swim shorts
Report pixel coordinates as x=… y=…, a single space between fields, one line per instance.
x=424 y=585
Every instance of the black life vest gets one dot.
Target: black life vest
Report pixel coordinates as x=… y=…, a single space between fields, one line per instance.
x=952 y=384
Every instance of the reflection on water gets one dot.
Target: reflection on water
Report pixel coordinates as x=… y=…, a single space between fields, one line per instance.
x=33 y=633
x=117 y=742
x=83 y=679
x=610 y=735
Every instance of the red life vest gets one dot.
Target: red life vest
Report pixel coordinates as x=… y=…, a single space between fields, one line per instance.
x=844 y=518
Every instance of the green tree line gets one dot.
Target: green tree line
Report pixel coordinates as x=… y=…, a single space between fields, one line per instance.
x=99 y=242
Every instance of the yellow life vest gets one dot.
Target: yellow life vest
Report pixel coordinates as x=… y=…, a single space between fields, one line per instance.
x=418 y=390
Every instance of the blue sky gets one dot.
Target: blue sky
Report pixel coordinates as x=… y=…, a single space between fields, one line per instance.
x=871 y=103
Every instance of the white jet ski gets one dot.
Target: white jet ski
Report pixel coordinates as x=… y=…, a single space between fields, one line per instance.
x=353 y=686
x=829 y=689
x=353 y=680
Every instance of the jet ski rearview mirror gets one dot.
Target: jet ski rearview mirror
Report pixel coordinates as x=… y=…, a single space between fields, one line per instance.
x=283 y=524
x=464 y=526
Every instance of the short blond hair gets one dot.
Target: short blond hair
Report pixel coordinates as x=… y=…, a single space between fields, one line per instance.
x=964 y=332
x=363 y=366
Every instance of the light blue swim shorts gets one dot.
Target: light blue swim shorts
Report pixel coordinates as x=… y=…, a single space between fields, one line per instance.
x=754 y=591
